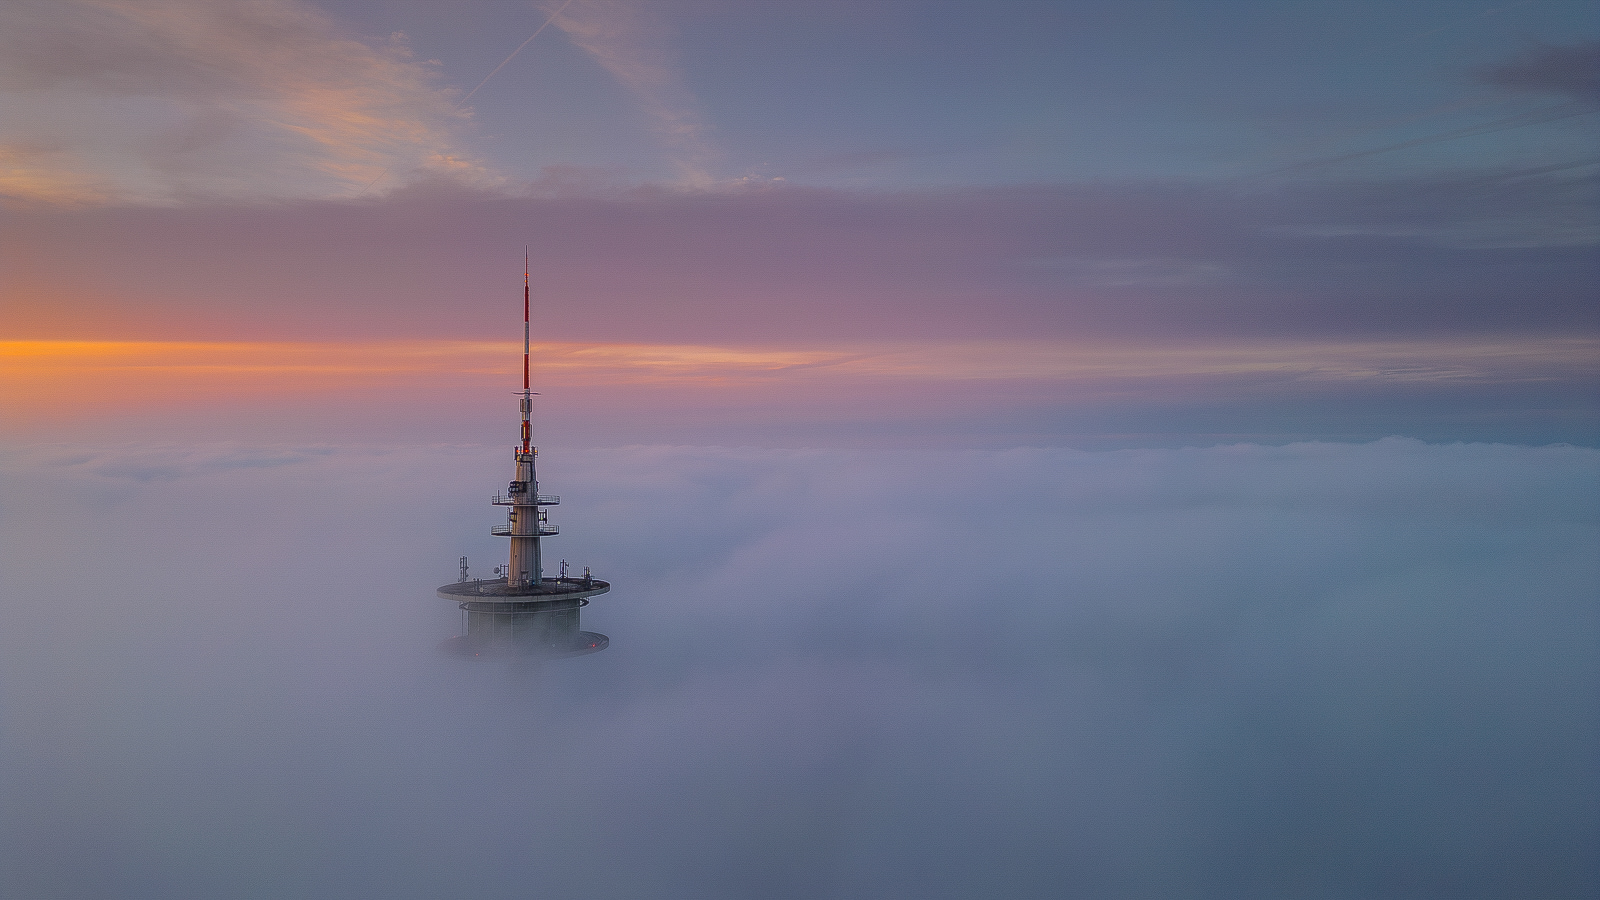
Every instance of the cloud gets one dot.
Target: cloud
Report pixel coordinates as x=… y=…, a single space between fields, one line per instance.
x=158 y=102
x=1571 y=70
x=173 y=463
x=1360 y=670
x=1392 y=258
x=629 y=41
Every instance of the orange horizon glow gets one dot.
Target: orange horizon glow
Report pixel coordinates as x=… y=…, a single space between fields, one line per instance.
x=287 y=362
x=43 y=374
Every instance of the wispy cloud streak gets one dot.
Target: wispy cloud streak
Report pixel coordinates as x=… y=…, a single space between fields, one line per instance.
x=161 y=102
x=627 y=41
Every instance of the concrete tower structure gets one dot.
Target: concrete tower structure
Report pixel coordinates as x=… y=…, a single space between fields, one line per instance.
x=525 y=609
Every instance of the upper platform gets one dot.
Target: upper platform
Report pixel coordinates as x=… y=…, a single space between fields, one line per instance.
x=497 y=590
x=526 y=500
x=545 y=530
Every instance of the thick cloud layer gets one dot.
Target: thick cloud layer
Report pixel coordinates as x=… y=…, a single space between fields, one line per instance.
x=1494 y=252
x=1317 y=670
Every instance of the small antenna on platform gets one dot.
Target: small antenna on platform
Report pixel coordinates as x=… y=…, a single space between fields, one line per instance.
x=527 y=395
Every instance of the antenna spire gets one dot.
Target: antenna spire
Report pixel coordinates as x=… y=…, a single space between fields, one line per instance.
x=527 y=393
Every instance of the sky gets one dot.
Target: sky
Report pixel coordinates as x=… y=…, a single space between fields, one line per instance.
x=878 y=225
x=1038 y=449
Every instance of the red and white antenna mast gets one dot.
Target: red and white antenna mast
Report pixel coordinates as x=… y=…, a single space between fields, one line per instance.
x=527 y=393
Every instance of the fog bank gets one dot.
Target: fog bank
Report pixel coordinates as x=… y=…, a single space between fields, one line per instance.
x=1318 y=670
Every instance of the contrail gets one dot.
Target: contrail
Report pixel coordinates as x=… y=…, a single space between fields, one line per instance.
x=514 y=52
x=483 y=82
x=1520 y=120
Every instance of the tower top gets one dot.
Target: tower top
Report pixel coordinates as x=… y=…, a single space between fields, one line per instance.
x=524 y=607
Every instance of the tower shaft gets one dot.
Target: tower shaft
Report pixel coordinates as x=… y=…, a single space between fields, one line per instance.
x=527 y=561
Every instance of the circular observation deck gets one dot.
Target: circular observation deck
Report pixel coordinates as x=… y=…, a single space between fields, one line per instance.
x=555 y=591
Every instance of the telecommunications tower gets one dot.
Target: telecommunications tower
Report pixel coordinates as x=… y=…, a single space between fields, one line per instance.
x=524 y=609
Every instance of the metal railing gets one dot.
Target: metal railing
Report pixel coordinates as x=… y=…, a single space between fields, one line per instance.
x=522 y=499
x=545 y=528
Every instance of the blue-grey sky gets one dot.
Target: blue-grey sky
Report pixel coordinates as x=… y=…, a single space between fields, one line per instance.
x=103 y=100
x=890 y=95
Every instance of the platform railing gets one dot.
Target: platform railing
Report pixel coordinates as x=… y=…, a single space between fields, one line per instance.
x=522 y=499
x=545 y=528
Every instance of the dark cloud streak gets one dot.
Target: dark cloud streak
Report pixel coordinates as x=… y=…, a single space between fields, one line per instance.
x=1572 y=70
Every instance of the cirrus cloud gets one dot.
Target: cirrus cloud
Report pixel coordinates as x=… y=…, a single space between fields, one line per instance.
x=163 y=102
x=624 y=39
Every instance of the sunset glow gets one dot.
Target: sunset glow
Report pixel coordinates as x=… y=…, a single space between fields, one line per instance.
x=42 y=372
